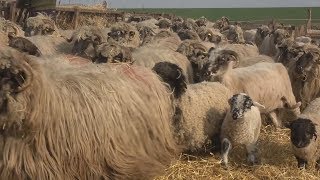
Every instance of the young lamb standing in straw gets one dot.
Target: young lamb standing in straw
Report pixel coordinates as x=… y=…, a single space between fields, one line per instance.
x=267 y=83
x=63 y=121
x=241 y=126
x=304 y=136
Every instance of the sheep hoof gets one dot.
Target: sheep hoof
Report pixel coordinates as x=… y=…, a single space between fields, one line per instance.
x=224 y=165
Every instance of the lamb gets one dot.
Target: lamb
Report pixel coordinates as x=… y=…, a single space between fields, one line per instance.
x=304 y=136
x=40 y=25
x=200 y=109
x=62 y=121
x=125 y=34
x=241 y=126
x=267 y=83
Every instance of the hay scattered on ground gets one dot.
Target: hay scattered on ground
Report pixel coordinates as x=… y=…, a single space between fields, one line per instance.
x=277 y=162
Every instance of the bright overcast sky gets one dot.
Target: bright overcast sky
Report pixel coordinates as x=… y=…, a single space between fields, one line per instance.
x=200 y=3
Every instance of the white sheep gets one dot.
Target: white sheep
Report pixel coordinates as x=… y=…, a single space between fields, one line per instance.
x=266 y=83
x=241 y=126
x=304 y=135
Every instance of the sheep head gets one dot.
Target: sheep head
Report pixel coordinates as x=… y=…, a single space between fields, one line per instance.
x=219 y=63
x=222 y=24
x=289 y=51
x=241 y=103
x=146 y=32
x=113 y=53
x=306 y=63
x=202 y=21
x=86 y=38
x=235 y=34
x=164 y=23
x=262 y=32
x=188 y=34
x=303 y=131
x=40 y=25
x=279 y=35
x=124 y=33
x=208 y=35
x=16 y=76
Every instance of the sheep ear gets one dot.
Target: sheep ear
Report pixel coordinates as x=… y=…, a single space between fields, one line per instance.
x=260 y=106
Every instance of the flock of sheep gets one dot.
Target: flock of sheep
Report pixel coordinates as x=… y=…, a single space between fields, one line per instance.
x=124 y=101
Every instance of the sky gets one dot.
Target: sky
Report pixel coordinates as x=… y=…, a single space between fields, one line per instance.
x=199 y=3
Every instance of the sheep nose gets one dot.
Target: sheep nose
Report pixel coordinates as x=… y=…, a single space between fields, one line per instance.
x=236 y=114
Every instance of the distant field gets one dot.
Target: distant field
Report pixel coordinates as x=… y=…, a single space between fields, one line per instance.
x=241 y=14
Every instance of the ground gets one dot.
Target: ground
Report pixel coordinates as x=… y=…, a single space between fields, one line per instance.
x=277 y=162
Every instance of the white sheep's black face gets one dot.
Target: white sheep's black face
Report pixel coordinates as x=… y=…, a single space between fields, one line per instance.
x=302 y=132
x=239 y=104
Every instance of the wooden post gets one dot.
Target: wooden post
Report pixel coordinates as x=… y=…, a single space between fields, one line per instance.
x=12 y=11
x=76 y=17
x=309 y=19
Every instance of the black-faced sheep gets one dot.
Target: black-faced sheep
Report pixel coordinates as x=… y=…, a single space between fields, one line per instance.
x=241 y=126
x=304 y=136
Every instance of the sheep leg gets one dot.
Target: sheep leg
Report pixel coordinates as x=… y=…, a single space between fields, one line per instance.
x=274 y=119
x=252 y=152
x=301 y=163
x=225 y=149
x=318 y=164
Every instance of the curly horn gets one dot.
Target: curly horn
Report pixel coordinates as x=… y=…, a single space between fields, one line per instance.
x=179 y=74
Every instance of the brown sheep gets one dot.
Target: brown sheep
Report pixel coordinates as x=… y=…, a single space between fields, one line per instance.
x=234 y=34
x=222 y=24
x=62 y=121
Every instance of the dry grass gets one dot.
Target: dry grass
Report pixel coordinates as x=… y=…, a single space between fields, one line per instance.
x=277 y=162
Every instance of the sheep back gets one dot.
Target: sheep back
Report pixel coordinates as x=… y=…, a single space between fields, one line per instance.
x=266 y=83
x=203 y=109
